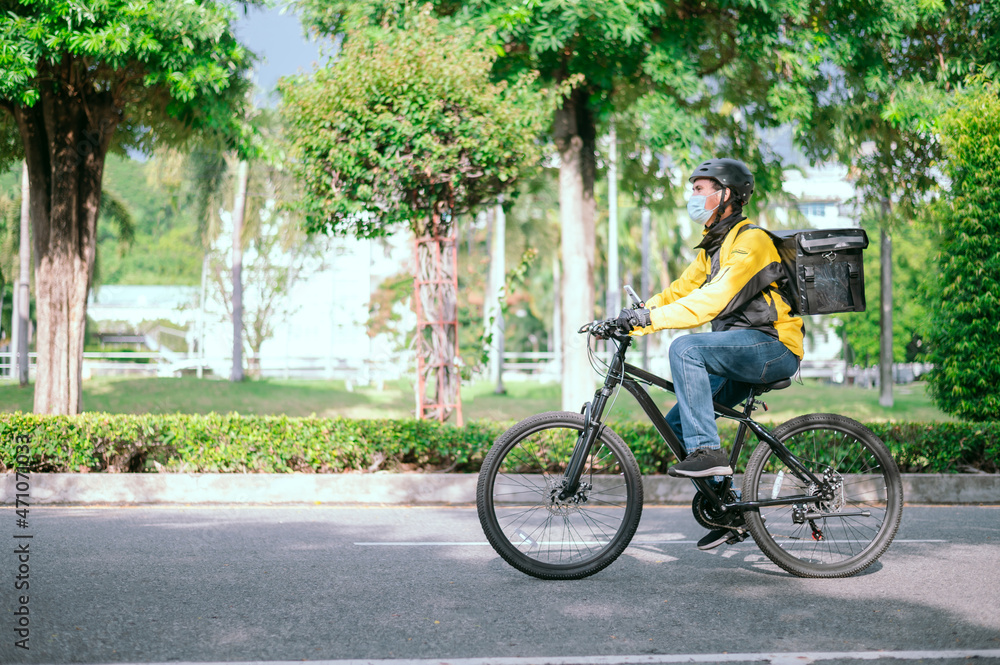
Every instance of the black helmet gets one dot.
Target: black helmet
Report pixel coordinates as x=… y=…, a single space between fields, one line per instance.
x=731 y=173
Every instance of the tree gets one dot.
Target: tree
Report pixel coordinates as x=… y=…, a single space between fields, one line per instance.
x=15 y=261
x=694 y=79
x=965 y=337
x=690 y=80
x=157 y=199
x=406 y=128
x=80 y=80
x=893 y=64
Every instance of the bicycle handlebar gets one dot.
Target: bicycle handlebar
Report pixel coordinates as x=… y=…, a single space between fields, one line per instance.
x=603 y=329
x=608 y=328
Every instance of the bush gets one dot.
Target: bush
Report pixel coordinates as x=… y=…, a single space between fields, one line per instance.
x=97 y=442
x=965 y=344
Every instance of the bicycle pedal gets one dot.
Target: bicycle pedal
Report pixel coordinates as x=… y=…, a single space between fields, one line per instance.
x=738 y=537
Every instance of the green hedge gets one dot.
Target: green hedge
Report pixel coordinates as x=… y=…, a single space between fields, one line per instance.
x=97 y=442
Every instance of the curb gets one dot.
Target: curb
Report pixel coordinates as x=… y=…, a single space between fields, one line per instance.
x=382 y=488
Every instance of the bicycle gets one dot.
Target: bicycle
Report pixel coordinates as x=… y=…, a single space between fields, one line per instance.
x=560 y=495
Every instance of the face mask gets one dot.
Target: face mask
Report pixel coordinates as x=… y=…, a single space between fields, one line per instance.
x=697 y=211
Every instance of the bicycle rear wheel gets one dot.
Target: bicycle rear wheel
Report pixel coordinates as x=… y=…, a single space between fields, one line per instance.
x=522 y=515
x=858 y=518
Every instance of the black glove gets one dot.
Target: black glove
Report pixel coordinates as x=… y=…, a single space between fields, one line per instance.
x=633 y=318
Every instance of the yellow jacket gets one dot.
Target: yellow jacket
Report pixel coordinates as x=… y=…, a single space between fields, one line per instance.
x=736 y=287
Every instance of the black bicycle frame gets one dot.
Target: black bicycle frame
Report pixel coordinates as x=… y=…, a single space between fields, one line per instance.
x=630 y=377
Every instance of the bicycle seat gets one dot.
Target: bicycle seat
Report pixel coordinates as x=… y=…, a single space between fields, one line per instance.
x=762 y=388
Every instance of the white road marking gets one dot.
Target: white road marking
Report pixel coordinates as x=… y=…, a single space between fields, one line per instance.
x=634 y=543
x=800 y=657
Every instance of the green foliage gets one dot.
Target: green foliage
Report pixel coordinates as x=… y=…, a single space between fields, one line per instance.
x=896 y=61
x=171 y=65
x=11 y=148
x=156 y=198
x=682 y=81
x=942 y=447
x=10 y=237
x=913 y=249
x=966 y=317
x=406 y=127
x=240 y=444
x=100 y=442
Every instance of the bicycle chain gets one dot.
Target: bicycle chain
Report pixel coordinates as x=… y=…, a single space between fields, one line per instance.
x=731 y=525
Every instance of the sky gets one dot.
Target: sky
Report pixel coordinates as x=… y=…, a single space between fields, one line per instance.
x=279 y=41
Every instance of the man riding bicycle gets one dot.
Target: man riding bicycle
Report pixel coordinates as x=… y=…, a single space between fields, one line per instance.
x=733 y=283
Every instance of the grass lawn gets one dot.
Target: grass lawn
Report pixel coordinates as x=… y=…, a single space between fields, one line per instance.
x=523 y=398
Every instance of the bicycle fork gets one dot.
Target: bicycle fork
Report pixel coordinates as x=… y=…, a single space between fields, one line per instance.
x=592 y=426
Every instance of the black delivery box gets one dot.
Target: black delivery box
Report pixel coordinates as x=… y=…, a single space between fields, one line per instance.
x=824 y=268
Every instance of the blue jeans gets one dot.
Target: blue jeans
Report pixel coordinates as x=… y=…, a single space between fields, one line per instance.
x=720 y=366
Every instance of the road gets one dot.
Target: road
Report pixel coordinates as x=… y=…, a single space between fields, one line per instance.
x=256 y=583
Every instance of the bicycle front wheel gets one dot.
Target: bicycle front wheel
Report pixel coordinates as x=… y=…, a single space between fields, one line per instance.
x=530 y=526
x=862 y=497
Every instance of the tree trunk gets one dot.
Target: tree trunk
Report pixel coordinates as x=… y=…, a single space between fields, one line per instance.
x=587 y=130
x=239 y=209
x=436 y=301
x=555 y=339
x=489 y=216
x=20 y=314
x=201 y=316
x=65 y=140
x=885 y=322
x=498 y=272
x=253 y=363
x=614 y=299
x=576 y=221
x=644 y=280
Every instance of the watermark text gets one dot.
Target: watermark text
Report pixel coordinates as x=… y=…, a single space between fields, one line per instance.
x=22 y=544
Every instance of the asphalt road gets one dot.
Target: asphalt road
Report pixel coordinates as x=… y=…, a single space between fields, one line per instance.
x=256 y=583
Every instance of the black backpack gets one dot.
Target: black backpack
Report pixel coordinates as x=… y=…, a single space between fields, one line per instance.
x=824 y=271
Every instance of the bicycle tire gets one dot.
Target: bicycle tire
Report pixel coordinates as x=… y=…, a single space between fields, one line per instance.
x=869 y=481
x=526 y=523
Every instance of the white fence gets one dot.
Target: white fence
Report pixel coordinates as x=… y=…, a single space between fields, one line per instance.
x=542 y=363
x=155 y=363
x=539 y=365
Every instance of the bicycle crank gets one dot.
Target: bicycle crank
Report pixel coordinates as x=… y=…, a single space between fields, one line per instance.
x=709 y=517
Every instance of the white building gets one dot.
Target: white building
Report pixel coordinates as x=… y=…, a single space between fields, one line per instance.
x=325 y=336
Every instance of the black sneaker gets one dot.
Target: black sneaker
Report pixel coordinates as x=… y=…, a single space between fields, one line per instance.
x=703 y=463
x=715 y=538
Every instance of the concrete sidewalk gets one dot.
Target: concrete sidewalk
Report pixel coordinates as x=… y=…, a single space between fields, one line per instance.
x=380 y=488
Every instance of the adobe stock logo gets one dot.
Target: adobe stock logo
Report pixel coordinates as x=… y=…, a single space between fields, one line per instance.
x=22 y=542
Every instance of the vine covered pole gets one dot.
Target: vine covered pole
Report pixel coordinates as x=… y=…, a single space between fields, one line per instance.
x=372 y=156
x=435 y=288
